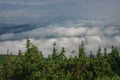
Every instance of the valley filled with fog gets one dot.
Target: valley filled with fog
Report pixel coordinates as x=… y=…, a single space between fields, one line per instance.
x=68 y=34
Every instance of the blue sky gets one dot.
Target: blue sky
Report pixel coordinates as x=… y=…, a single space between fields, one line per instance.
x=96 y=22
x=32 y=11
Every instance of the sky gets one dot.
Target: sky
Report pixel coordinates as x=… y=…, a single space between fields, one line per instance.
x=66 y=22
x=32 y=11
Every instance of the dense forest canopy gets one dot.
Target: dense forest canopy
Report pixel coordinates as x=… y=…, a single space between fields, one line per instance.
x=32 y=65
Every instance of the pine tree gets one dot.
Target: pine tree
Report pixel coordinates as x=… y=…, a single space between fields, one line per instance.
x=9 y=66
x=91 y=55
x=55 y=53
x=114 y=60
x=99 y=54
x=82 y=50
x=62 y=53
x=105 y=53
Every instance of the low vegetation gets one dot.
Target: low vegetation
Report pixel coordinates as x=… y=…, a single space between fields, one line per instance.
x=31 y=65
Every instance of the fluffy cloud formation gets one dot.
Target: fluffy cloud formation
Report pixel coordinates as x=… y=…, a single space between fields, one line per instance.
x=68 y=35
x=7 y=36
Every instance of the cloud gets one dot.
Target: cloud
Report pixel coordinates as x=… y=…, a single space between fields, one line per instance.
x=30 y=2
x=68 y=35
x=19 y=13
x=12 y=46
x=56 y=31
x=14 y=2
x=58 y=10
x=7 y=36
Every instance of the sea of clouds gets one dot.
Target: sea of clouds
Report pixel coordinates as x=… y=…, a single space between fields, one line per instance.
x=68 y=34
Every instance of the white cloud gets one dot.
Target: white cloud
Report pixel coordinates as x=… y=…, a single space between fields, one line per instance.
x=55 y=31
x=68 y=35
x=12 y=46
x=111 y=30
x=7 y=36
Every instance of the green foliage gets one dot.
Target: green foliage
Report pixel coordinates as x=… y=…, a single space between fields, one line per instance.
x=114 y=60
x=2 y=58
x=31 y=65
x=99 y=54
x=82 y=50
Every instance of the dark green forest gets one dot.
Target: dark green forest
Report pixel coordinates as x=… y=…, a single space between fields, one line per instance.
x=32 y=65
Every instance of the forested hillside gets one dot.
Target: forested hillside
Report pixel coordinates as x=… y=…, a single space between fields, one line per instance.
x=31 y=65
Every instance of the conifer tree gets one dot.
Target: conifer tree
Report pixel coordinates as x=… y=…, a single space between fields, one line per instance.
x=31 y=65
x=54 y=52
x=62 y=53
x=105 y=52
x=81 y=50
x=99 y=54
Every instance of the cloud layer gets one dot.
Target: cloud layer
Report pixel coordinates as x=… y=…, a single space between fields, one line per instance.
x=68 y=35
x=27 y=11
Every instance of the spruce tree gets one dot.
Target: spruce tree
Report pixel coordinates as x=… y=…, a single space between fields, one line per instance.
x=81 y=50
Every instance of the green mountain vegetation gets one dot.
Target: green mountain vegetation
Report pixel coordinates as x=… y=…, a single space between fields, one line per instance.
x=31 y=65
x=2 y=58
